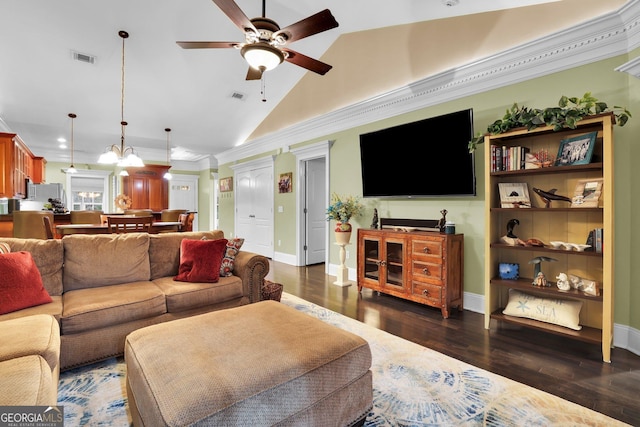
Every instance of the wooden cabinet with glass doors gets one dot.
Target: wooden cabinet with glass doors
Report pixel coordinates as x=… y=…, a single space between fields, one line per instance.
x=420 y=266
x=559 y=221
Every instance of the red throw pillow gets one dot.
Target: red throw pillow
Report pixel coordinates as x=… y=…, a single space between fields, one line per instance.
x=229 y=258
x=20 y=282
x=200 y=260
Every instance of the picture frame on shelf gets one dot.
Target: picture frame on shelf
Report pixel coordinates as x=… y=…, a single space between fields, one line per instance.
x=587 y=193
x=514 y=195
x=576 y=150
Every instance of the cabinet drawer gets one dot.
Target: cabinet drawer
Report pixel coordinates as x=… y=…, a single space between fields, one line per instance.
x=432 y=294
x=427 y=248
x=426 y=270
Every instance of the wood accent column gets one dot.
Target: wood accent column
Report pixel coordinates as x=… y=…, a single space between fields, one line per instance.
x=147 y=187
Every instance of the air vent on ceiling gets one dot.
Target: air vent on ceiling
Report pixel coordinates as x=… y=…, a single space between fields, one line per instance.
x=237 y=95
x=83 y=57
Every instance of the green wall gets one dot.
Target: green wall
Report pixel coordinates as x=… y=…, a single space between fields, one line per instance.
x=606 y=84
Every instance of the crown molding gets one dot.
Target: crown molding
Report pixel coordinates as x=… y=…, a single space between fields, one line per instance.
x=604 y=37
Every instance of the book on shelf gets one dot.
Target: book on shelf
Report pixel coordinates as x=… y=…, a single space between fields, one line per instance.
x=505 y=158
x=595 y=240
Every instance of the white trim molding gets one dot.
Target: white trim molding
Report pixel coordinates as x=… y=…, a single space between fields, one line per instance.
x=604 y=37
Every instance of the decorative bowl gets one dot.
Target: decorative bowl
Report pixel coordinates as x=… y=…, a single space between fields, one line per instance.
x=581 y=248
x=556 y=245
x=568 y=246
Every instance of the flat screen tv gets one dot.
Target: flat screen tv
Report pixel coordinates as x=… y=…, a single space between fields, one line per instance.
x=427 y=158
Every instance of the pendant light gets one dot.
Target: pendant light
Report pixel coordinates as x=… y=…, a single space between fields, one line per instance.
x=121 y=155
x=167 y=174
x=72 y=169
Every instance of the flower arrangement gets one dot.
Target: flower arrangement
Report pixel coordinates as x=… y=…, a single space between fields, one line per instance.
x=342 y=209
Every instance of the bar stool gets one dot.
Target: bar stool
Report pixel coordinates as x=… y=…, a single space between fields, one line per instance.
x=138 y=212
x=171 y=215
x=30 y=224
x=86 y=217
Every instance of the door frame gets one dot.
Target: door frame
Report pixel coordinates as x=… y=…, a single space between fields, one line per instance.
x=303 y=154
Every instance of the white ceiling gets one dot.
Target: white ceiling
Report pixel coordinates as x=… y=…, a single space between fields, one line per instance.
x=189 y=91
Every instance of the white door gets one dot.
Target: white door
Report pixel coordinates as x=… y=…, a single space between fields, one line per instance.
x=254 y=209
x=183 y=194
x=315 y=211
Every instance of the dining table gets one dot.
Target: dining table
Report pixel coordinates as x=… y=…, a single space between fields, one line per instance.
x=156 y=227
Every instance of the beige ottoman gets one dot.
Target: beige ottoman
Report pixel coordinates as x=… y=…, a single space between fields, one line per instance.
x=257 y=365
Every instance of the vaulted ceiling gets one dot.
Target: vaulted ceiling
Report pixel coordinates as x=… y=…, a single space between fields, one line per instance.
x=202 y=95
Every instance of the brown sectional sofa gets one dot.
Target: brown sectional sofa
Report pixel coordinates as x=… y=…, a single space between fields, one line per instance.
x=105 y=286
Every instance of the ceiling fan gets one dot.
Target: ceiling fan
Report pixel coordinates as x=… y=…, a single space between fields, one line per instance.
x=265 y=42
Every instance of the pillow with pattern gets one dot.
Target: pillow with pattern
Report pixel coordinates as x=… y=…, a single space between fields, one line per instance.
x=229 y=258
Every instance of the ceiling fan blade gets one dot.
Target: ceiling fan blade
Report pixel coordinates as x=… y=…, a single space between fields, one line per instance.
x=237 y=16
x=206 y=45
x=307 y=62
x=314 y=24
x=253 y=74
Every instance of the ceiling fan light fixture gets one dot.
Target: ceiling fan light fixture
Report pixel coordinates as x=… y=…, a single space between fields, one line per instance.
x=262 y=56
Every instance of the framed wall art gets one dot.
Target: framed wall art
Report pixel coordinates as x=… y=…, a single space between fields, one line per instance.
x=285 y=183
x=576 y=150
x=226 y=184
x=587 y=193
x=514 y=195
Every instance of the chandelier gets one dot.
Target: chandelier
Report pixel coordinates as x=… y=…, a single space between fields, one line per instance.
x=121 y=155
x=167 y=174
x=72 y=169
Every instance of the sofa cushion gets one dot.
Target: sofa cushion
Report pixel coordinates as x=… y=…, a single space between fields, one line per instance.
x=94 y=308
x=93 y=260
x=182 y=296
x=27 y=381
x=200 y=260
x=229 y=258
x=21 y=284
x=48 y=256
x=164 y=250
x=54 y=308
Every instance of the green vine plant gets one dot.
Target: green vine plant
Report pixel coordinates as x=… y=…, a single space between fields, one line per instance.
x=566 y=115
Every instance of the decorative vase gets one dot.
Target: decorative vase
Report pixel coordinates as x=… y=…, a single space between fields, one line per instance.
x=343 y=233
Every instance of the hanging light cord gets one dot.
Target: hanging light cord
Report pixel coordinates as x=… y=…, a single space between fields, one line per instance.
x=73 y=116
x=168 y=130
x=124 y=36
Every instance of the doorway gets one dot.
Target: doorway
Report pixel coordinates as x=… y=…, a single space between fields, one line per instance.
x=183 y=194
x=254 y=186
x=312 y=199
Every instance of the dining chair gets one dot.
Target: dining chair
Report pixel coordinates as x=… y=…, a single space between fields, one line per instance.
x=186 y=221
x=171 y=214
x=48 y=227
x=30 y=224
x=85 y=217
x=130 y=224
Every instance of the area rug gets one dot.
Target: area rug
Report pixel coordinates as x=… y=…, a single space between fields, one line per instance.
x=412 y=386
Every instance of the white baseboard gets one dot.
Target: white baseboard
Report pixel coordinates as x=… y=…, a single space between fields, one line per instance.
x=285 y=258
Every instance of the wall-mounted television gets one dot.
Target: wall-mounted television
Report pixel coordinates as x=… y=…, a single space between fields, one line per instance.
x=426 y=158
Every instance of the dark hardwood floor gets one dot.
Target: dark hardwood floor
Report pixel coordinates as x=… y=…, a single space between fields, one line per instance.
x=566 y=368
